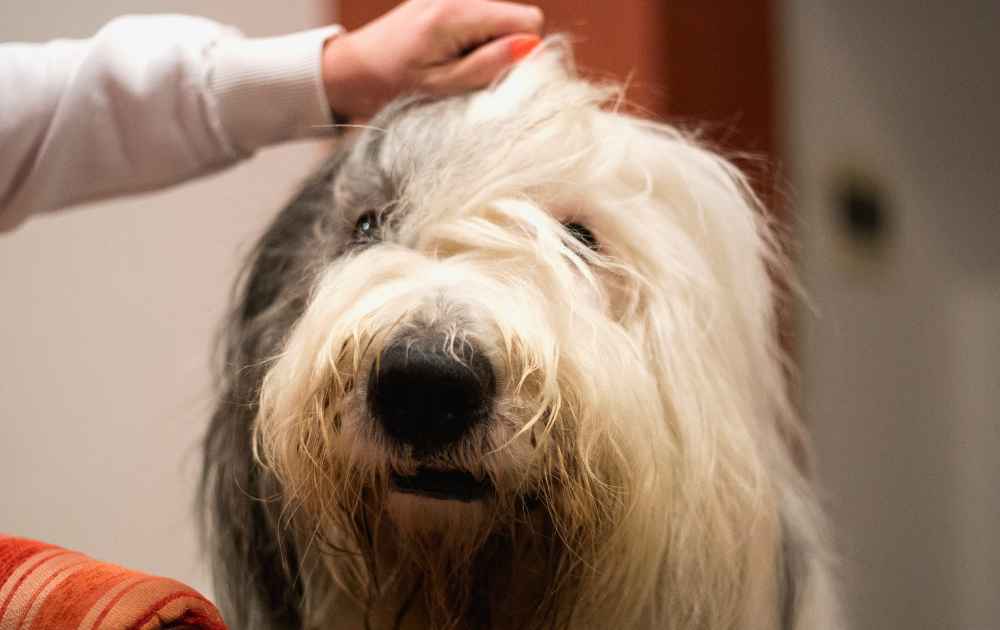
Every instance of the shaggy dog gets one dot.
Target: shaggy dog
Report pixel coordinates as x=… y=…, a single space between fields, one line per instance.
x=509 y=361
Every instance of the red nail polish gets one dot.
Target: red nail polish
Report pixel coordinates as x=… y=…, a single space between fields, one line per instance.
x=522 y=45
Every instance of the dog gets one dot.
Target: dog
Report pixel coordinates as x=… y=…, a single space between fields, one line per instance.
x=509 y=360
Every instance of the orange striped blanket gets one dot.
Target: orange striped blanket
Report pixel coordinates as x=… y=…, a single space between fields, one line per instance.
x=44 y=587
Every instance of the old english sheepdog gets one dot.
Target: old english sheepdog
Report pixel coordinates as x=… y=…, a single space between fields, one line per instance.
x=509 y=361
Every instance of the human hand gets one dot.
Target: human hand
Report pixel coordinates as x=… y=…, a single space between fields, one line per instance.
x=436 y=47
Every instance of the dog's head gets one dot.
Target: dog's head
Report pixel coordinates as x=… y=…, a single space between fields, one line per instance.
x=508 y=358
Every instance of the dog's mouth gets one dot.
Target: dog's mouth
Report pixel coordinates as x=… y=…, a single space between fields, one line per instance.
x=446 y=485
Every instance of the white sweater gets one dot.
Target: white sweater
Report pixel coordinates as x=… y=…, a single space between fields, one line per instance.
x=149 y=101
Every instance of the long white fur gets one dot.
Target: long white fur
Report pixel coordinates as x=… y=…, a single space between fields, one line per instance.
x=641 y=390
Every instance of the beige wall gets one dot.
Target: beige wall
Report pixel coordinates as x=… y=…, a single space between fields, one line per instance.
x=900 y=358
x=108 y=315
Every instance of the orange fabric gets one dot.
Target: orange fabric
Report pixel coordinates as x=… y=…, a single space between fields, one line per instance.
x=44 y=587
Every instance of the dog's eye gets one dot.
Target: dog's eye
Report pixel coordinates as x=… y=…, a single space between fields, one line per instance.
x=367 y=227
x=583 y=234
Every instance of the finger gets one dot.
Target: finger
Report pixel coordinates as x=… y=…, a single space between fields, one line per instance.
x=486 y=20
x=480 y=67
x=508 y=18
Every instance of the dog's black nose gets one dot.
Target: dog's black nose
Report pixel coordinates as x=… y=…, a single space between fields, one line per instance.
x=427 y=393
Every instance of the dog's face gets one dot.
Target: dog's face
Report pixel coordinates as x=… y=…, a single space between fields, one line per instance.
x=510 y=361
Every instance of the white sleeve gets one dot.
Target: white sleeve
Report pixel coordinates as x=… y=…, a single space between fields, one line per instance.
x=149 y=101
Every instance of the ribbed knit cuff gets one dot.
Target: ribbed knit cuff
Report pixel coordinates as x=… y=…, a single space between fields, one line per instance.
x=271 y=90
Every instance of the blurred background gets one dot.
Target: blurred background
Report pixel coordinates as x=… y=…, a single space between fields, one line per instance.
x=872 y=130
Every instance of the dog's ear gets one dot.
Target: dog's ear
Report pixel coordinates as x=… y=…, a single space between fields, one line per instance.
x=255 y=564
x=255 y=568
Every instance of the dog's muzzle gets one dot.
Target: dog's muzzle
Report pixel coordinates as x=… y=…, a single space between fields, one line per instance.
x=428 y=394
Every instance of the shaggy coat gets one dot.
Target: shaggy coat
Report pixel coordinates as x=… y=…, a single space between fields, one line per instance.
x=611 y=276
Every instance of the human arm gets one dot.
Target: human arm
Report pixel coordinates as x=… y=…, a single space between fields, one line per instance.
x=147 y=102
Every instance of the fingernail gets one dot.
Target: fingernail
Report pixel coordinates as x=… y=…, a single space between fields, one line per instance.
x=521 y=45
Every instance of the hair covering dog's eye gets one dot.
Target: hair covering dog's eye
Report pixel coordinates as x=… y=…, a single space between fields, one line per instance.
x=583 y=234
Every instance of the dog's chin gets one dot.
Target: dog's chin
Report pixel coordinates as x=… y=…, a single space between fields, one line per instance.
x=438 y=505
